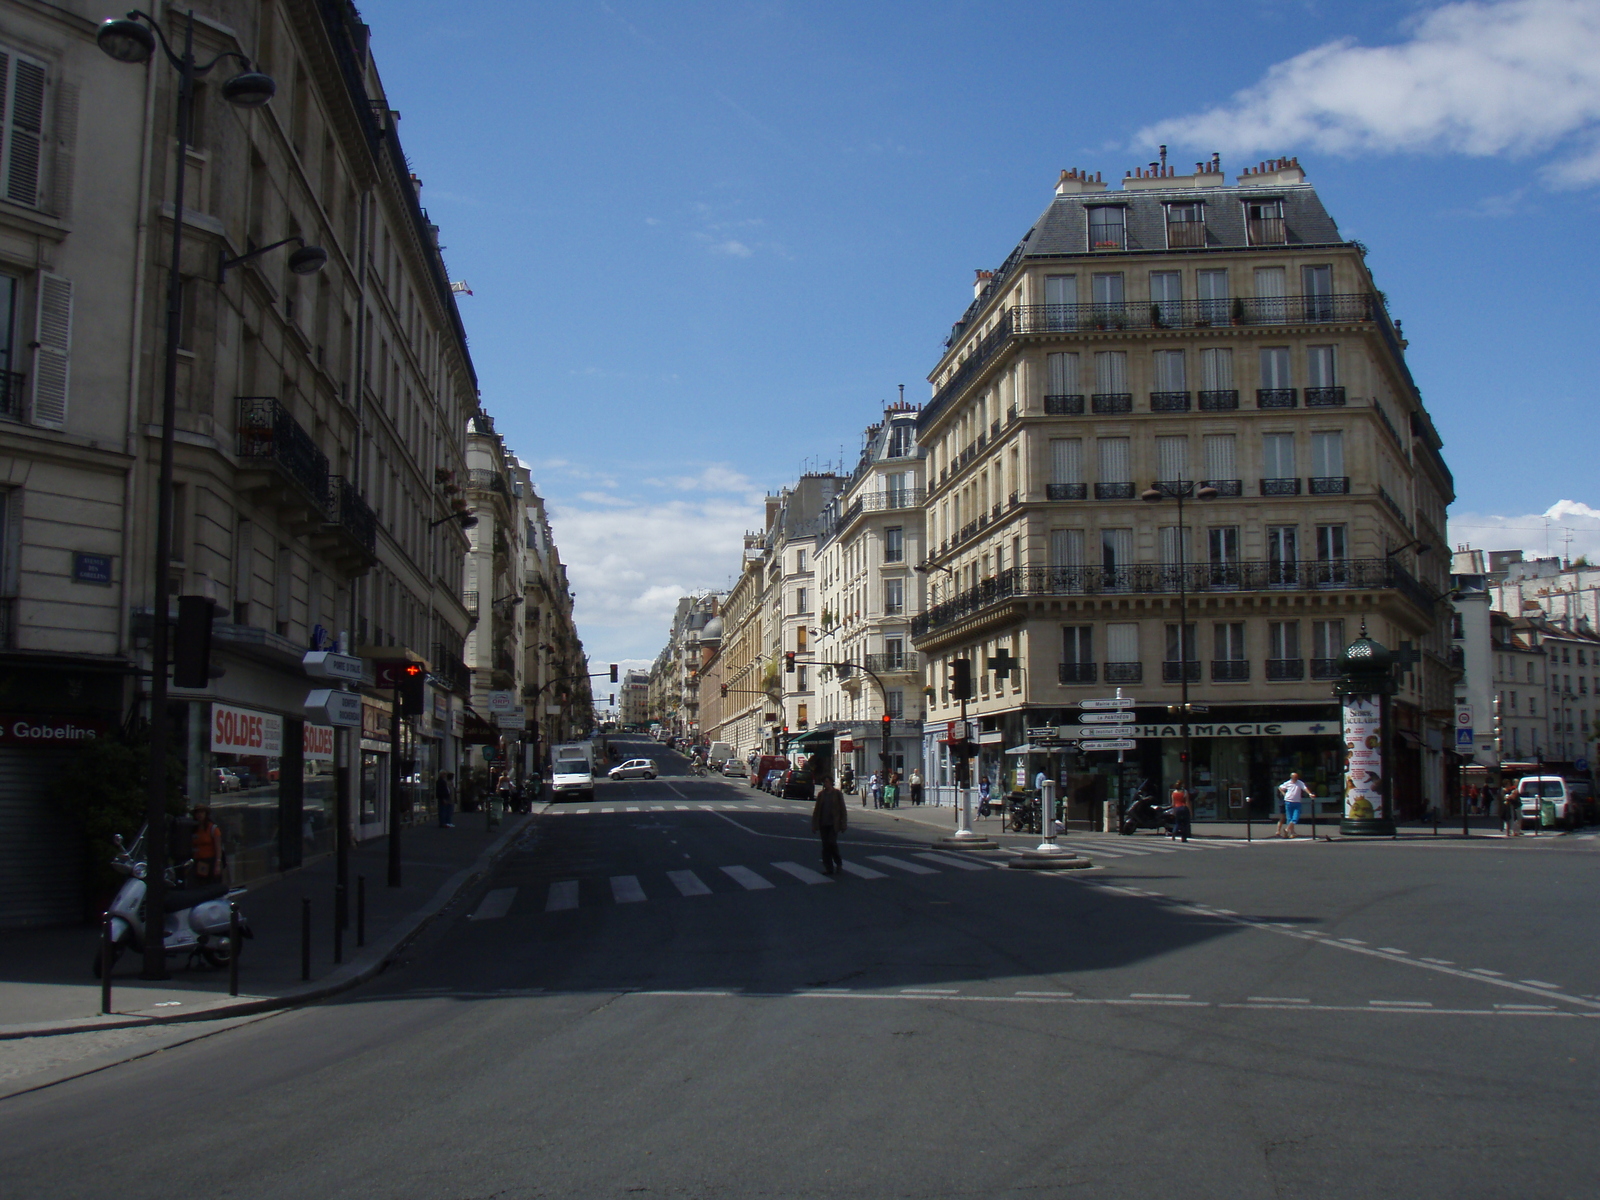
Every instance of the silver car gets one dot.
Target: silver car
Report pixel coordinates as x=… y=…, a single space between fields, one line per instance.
x=635 y=768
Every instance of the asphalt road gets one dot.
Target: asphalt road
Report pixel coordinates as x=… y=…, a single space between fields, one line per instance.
x=664 y=999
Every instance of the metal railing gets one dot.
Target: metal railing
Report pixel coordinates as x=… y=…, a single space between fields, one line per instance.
x=1324 y=397
x=1124 y=672
x=1113 y=491
x=1324 y=668
x=1224 y=487
x=1280 y=487
x=1328 y=485
x=1173 y=671
x=1076 y=672
x=1286 y=668
x=1066 y=491
x=1219 y=400
x=1230 y=670
x=894 y=664
x=1111 y=402
x=269 y=434
x=348 y=512
x=488 y=481
x=1169 y=401
x=1192 y=314
x=1063 y=406
x=1186 y=235
x=469 y=600
x=449 y=670
x=13 y=395
x=1275 y=398
x=1357 y=574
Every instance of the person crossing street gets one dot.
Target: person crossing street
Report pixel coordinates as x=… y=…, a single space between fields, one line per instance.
x=1294 y=791
x=829 y=818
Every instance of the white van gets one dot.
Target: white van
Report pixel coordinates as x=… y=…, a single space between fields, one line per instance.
x=1570 y=796
x=717 y=754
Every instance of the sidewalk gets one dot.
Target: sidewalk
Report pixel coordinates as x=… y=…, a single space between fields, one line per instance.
x=47 y=984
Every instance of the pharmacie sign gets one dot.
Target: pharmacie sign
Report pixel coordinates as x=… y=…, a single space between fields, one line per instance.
x=245 y=731
x=1211 y=729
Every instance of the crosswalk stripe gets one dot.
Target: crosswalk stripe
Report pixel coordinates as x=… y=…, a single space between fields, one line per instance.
x=625 y=889
x=708 y=807
x=803 y=874
x=688 y=883
x=902 y=864
x=633 y=810
x=746 y=878
x=681 y=807
x=861 y=872
x=949 y=860
x=608 y=810
x=496 y=904
x=562 y=895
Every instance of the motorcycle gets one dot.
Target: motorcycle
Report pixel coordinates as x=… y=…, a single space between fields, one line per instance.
x=1144 y=813
x=197 y=918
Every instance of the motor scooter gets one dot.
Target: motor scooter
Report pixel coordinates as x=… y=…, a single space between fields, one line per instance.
x=197 y=918
x=1145 y=813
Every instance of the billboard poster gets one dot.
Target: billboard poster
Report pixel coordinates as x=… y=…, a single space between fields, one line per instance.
x=1363 y=754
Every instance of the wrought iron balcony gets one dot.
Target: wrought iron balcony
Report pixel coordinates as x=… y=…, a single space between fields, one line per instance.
x=1324 y=397
x=1111 y=402
x=1224 y=487
x=1324 y=668
x=1113 y=491
x=450 y=672
x=13 y=395
x=1076 y=672
x=1286 y=668
x=905 y=663
x=469 y=600
x=1275 y=398
x=1219 y=400
x=1173 y=671
x=1124 y=672
x=1358 y=574
x=270 y=437
x=1063 y=406
x=1169 y=401
x=1329 y=485
x=1066 y=491
x=1280 y=487
x=351 y=516
x=488 y=481
x=1230 y=670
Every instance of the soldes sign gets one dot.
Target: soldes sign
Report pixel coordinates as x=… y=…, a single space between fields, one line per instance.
x=245 y=731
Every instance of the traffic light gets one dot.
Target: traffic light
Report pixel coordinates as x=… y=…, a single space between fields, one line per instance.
x=788 y=661
x=412 y=689
x=724 y=691
x=613 y=672
x=191 y=651
x=613 y=700
x=961 y=679
x=887 y=718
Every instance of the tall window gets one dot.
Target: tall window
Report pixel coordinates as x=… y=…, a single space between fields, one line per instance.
x=1066 y=460
x=1283 y=553
x=1077 y=644
x=800 y=680
x=1061 y=300
x=1228 y=641
x=1106 y=228
x=1277 y=456
x=1317 y=285
x=1271 y=292
x=1115 y=462
x=1283 y=640
x=800 y=716
x=10 y=384
x=900 y=438
x=1186 y=225
x=1333 y=552
x=1216 y=369
x=1172 y=458
x=1275 y=367
x=1116 y=554
x=895 y=485
x=1187 y=652
x=894 y=703
x=1111 y=372
x=1062 y=369
x=1327 y=458
x=1222 y=556
x=1166 y=291
x=1212 y=287
x=799 y=561
x=1327 y=644
x=894 y=652
x=1320 y=367
x=22 y=83
x=894 y=596
x=894 y=544
x=1107 y=291
x=800 y=639
x=1222 y=459
x=1170 y=373
x=1174 y=545
x=1122 y=642
x=1066 y=547
x=1264 y=221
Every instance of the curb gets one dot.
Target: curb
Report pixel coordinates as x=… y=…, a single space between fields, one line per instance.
x=352 y=974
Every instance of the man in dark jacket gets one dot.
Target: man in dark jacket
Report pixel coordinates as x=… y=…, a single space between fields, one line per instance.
x=828 y=819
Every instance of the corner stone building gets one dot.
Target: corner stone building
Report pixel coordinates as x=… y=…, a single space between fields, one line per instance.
x=1177 y=335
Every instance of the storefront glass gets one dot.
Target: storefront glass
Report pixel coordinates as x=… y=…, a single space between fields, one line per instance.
x=317 y=817
x=242 y=785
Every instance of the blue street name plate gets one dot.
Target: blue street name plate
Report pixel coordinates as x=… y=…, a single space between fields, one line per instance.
x=91 y=568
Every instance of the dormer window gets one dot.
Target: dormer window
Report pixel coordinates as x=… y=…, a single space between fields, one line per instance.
x=1186 y=225
x=1108 y=228
x=1264 y=220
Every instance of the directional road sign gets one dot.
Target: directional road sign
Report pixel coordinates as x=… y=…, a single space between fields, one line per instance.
x=325 y=664
x=1106 y=718
x=1115 y=744
x=1111 y=702
x=1114 y=731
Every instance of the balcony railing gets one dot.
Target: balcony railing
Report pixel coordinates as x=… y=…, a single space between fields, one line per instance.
x=488 y=481
x=1066 y=491
x=1225 y=487
x=1280 y=487
x=1267 y=231
x=1113 y=491
x=1286 y=668
x=1191 y=314
x=1186 y=235
x=1219 y=400
x=1325 y=397
x=1063 y=406
x=903 y=663
x=351 y=515
x=1329 y=485
x=1111 y=402
x=1124 y=672
x=1076 y=672
x=1324 y=668
x=1169 y=401
x=1356 y=574
x=1230 y=670
x=1275 y=398
x=270 y=436
x=13 y=395
x=451 y=673
x=470 y=601
x=1173 y=671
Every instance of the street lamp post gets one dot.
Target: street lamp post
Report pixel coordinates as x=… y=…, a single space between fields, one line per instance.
x=133 y=39
x=1179 y=489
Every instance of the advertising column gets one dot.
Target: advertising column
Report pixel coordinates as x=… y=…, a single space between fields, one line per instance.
x=1364 y=687
x=1363 y=756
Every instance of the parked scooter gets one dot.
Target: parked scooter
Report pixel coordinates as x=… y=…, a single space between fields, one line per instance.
x=196 y=917
x=1145 y=813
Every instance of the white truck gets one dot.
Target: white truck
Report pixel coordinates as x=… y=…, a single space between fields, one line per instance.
x=572 y=771
x=717 y=754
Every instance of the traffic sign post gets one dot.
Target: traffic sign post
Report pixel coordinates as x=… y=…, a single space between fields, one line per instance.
x=1111 y=744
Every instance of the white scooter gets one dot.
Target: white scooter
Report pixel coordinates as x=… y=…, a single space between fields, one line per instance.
x=197 y=918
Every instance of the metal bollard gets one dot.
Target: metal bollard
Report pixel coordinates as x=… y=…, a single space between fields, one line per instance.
x=338 y=930
x=361 y=910
x=1249 y=829
x=105 y=963
x=305 y=937
x=233 y=949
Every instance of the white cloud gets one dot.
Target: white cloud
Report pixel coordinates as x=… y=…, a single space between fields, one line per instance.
x=1483 y=79
x=1538 y=535
x=732 y=248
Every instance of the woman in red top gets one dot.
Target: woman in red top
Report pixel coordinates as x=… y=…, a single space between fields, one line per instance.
x=205 y=848
x=1180 y=812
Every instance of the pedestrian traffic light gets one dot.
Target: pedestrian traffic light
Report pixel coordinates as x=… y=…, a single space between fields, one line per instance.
x=961 y=679
x=191 y=652
x=788 y=661
x=411 y=686
x=724 y=691
x=613 y=672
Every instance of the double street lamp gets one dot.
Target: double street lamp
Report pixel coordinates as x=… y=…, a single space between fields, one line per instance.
x=134 y=39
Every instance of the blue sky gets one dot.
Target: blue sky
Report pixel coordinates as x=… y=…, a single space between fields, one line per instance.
x=707 y=240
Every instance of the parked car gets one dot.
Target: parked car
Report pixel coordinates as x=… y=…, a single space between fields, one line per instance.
x=635 y=768
x=799 y=785
x=224 y=780
x=1571 y=798
x=734 y=769
x=769 y=782
x=766 y=765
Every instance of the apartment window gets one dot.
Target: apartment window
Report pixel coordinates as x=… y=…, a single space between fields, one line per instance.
x=22 y=83
x=800 y=680
x=1111 y=371
x=1115 y=460
x=1333 y=551
x=900 y=440
x=800 y=601
x=1122 y=653
x=1066 y=547
x=1222 y=462
x=1283 y=650
x=1172 y=458
x=1212 y=288
x=1320 y=371
x=894 y=703
x=1170 y=372
x=1116 y=556
x=1061 y=301
x=1182 y=658
x=1327 y=453
x=1264 y=221
x=801 y=718
x=894 y=596
x=10 y=377
x=895 y=484
x=1275 y=374
x=1174 y=545
x=1222 y=545
x=800 y=639
x=799 y=562
x=1316 y=283
x=1186 y=225
x=1277 y=456
x=1166 y=291
x=1066 y=469
x=1216 y=369
x=1228 y=658
x=1283 y=554
x=894 y=652
x=894 y=544
x=1107 y=228
x=1327 y=644
x=1077 y=654
x=1062 y=371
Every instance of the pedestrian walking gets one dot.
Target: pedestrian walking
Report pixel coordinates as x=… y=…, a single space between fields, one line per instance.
x=1294 y=791
x=445 y=797
x=1511 y=812
x=1181 y=812
x=206 y=853
x=875 y=786
x=916 y=786
x=829 y=818
x=891 y=790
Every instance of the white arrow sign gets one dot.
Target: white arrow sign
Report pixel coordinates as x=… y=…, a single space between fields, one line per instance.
x=1113 y=702
x=328 y=707
x=325 y=664
x=1117 y=744
x=1113 y=731
x=1106 y=718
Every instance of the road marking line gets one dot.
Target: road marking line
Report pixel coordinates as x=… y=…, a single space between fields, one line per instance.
x=1159 y=996
x=496 y=904
x=803 y=874
x=951 y=861
x=911 y=867
x=1540 y=983
x=1351 y=941
x=625 y=889
x=608 y=810
x=1045 y=993
x=929 y=991
x=632 y=810
x=1277 y=1000
x=861 y=872
x=745 y=877
x=688 y=883
x=1391 y=950
x=1440 y=962
x=680 y=808
x=1486 y=971
x=562 y=895
x=1403 y=1003
x=1526 y=1007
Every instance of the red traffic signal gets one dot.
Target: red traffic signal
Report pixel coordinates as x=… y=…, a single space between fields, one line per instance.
x=788 y=661
x=724 y=690
x=411 y=687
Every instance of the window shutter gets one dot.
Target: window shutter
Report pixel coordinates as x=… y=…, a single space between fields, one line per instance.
x=51 y=360
x=24 y=131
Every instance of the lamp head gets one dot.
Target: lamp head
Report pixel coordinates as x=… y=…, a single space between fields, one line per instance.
x=126 y=40
x=249 y=89
x=308 y=260
x=1206 y=493
x=1152 y=494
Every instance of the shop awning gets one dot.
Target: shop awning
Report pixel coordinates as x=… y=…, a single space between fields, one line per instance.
x=812 y=737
